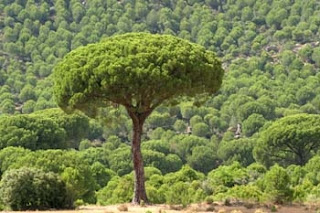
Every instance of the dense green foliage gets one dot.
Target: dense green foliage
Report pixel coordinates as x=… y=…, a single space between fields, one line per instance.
x=140 y=71
x=30 y=189
x=79 y=180
x=40 y=34
x=270 y=50
x=289 y=140
x=48 y=129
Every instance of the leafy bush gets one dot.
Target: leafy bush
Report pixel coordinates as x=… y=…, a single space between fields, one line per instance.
x=30 y=189
x=203 y=159
x=101 y=174
x=246 y=193
x=228 y=176
x=303 y=191
x=179 y=194
x=31 y=132
x=185 y=174
x=10 y=155
x=236 y=150
x=118 y=190
x=276 y=183
x=312 y=167
x=84 y=144
x=80 y=183
x=201 y=130
x=154 y=195
x=120 y=160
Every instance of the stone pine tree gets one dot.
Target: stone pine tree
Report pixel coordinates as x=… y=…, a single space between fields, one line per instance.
x=139 y=71
x=290 y=140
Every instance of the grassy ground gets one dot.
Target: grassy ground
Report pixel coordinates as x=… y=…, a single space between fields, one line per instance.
x=199 y=208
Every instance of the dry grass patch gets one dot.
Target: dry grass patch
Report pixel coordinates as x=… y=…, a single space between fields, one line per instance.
x=260 y=211
x=176 y=207
x=236 y=211
x=122 y=208
x=210 y=208
x=249 y=205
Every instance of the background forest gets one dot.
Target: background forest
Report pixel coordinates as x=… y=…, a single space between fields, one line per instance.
x=257 y=139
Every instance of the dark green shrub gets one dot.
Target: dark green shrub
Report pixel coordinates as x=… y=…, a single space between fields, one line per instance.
x=101 y=174
x=80 y=183
x=236 y=150
x=1 y=206
x=31 y=189
x=203 y=159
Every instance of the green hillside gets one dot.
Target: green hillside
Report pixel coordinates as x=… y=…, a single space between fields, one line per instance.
x=265 y=113
x=274 y=38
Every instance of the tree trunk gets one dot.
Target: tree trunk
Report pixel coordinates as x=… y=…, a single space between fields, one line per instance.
x=139 y=186
x=301 y=158
x=221 y=2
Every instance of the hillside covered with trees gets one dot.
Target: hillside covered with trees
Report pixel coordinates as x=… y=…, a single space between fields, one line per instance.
x=256 y=140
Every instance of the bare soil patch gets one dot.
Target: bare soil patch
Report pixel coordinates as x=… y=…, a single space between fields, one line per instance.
x=194 y=208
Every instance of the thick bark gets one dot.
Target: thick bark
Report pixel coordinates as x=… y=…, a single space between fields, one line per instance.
x=139 y=179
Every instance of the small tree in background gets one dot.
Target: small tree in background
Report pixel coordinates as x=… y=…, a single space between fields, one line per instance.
x=139 y=71
x=289 y=140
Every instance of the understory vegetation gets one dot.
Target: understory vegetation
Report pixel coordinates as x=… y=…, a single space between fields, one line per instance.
x=256 y=140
